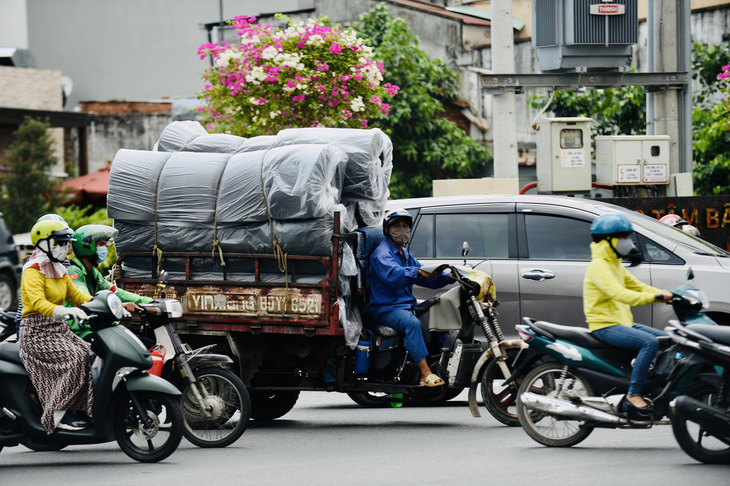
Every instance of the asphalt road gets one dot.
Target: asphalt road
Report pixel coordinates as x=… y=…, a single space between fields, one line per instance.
x=327 y=439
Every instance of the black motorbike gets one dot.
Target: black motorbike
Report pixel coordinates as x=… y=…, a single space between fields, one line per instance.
x=215 y=403
x=392 y=377
x=138 y=410
x=701 y=423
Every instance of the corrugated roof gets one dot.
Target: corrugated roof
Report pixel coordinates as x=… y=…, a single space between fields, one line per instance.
x=442 y=11
x=483 y=14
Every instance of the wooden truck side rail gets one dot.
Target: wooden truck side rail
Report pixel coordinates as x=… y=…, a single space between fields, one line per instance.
x=245 y=302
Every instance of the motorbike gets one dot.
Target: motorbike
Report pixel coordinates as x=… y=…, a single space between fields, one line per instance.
x=561 y=402
x=7 y=325
x=701 y=422
x=138 y=410
x=215 y=404
x=450 y=319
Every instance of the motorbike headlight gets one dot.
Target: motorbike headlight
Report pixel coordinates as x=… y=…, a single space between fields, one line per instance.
x=115 y=305
x=173 y=308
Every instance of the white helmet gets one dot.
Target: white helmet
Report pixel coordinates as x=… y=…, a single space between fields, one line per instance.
x=692 y=230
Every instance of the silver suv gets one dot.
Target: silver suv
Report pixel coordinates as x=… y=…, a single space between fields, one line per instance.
x=537 y=249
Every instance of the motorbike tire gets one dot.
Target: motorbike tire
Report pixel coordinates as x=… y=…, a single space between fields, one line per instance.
x=542 y=427
x=230 y=408
x=159 y=441
x=369 y=399
x=39 y=447
x=272 y=404
x=501 y=401
x=692 y=438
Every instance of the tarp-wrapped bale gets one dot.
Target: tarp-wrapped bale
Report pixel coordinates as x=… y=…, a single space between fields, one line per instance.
x=367 y=171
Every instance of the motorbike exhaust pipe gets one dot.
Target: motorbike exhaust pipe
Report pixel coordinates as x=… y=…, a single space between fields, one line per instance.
x=715 y=421
x=553 y=406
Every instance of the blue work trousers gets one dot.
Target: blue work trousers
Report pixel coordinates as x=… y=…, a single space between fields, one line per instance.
x=639 y=338
x=405 y=322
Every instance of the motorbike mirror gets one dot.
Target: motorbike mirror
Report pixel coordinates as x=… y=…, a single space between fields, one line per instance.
x=162 y=280
x=465 y=248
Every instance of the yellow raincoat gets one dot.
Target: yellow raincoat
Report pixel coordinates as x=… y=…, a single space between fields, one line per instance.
x=609 y=289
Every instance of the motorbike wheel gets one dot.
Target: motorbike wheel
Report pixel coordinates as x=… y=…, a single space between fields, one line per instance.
x=230 y=408
x=693 y=438
x=38 y=447
x=544 y=428
x=161 y=439
x=272 y=404
x=500 y=400
x=369 y=399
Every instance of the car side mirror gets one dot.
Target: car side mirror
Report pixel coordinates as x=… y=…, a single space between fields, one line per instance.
x=690 y=274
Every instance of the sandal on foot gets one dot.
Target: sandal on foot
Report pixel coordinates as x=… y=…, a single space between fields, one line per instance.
x=432 y=380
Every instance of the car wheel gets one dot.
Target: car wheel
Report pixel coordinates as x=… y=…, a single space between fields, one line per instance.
x=7 y=293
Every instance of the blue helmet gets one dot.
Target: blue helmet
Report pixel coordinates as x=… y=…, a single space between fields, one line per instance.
x=610 y=226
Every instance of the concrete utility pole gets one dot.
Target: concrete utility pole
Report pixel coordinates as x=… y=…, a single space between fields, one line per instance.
x=504 y=117
x=669 y=111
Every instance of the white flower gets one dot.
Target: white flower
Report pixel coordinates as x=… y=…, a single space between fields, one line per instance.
x=269 y=53
x=274 y=114
x=357 y=104
x=315 y=39
x=225 y=57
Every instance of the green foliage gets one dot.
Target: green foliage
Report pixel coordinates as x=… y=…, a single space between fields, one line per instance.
x=77 y=216
x=28 y=191
x=617 y=111
x=711 y=148
x=426 y=146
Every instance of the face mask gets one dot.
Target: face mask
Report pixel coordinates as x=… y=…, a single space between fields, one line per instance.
x=101 y=253
x=400 y=235
x=59 y=251
x=624 y=247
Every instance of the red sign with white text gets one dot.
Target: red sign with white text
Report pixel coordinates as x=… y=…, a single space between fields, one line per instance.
x=612 y=9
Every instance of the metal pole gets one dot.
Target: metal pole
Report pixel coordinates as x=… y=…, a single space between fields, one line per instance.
x=652 y=67
x=684 y=11
x=504 y=120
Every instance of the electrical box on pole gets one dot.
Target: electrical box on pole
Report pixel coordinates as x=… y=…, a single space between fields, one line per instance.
x=564 y=155
x=584 y=35
x=632 y=160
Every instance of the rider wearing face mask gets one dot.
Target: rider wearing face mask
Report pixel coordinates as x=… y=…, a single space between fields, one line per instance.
x=58 y=362
x=608 y=292
x=90 y=248
x=393 y=271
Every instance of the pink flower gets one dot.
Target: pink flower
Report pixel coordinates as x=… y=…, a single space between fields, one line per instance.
x=364 y=124
x=298 y=98
x=335 y=48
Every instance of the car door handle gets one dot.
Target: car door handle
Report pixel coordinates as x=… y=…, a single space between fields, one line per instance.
x=538 y=275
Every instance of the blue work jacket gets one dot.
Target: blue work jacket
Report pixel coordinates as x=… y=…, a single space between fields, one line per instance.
x=392 y=277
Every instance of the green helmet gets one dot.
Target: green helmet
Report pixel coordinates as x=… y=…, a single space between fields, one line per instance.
x=87 y=236
x=50 y=217
x=49 y=228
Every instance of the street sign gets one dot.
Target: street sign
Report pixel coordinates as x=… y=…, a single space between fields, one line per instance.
x=612 y=9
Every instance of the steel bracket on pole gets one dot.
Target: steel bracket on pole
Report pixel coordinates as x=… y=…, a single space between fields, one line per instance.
x=497 y=83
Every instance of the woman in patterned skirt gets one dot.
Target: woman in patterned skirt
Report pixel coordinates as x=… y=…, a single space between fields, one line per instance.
x=57 y=361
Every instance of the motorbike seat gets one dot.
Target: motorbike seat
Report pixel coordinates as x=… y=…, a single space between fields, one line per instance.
x=578 y=335
x=719 y=334
x=10 y=352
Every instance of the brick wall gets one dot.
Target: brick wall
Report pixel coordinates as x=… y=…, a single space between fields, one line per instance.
x=33 y=89
x=127 y=107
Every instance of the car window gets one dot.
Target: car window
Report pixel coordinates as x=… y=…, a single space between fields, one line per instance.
x=656 y=253
x=557 y=238
x=421 y=245
x=486 y=233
